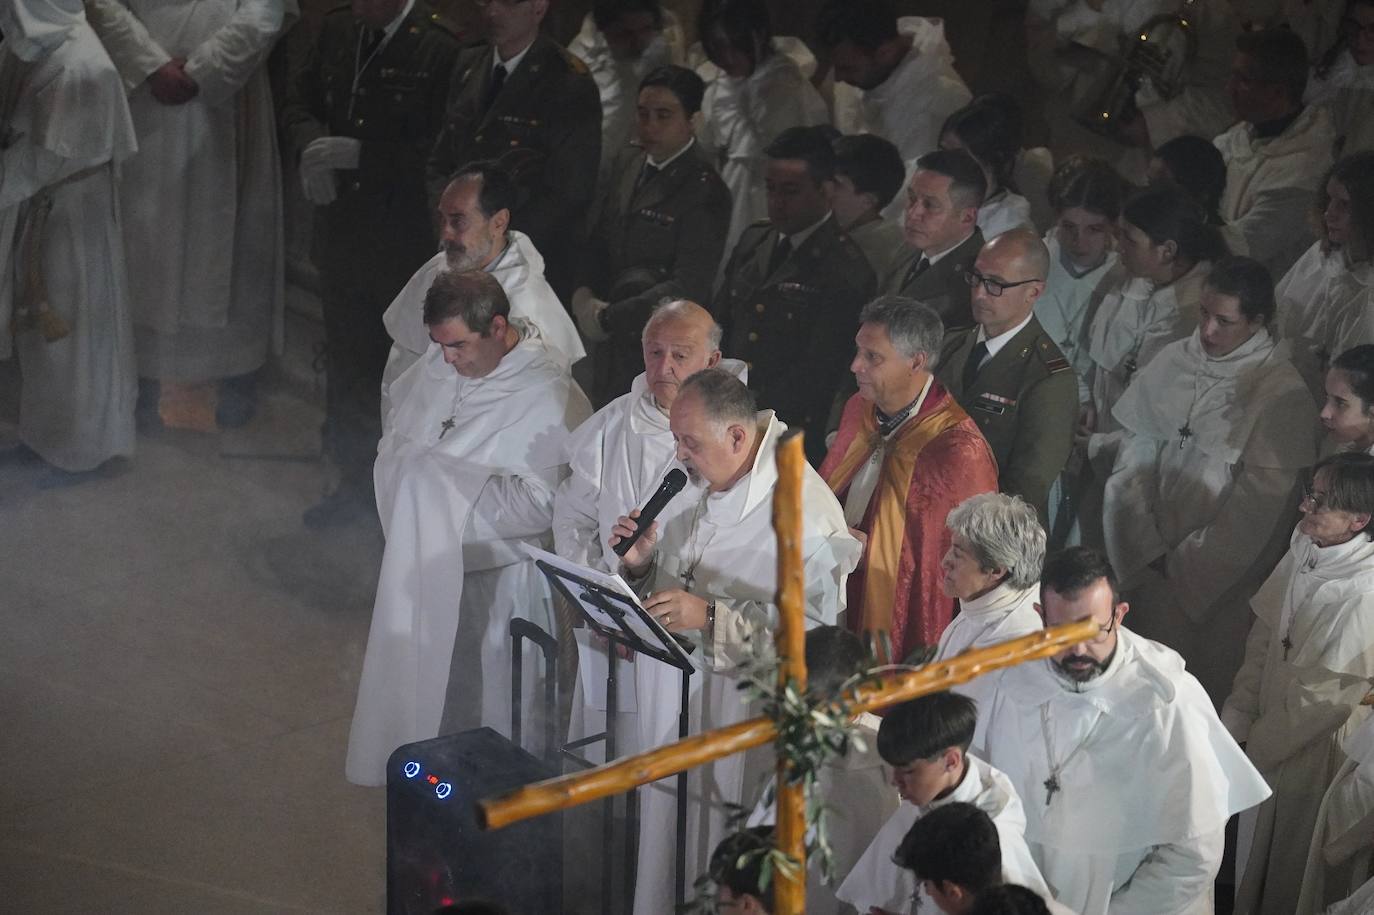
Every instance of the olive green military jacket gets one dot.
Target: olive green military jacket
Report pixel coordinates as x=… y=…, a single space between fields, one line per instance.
x=1025 y=401
x=795 y=326
x=941 y=285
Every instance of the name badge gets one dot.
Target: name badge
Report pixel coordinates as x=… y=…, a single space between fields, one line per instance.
x=798 y=288
x=657 y=218
x=515 y=121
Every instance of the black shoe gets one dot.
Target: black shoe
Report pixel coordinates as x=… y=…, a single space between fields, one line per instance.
x=342 y=506
x=238 y=401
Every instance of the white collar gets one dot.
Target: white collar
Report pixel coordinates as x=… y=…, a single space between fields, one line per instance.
x=671 y=159
x=935 y=258
x=514 y=62
x=1001 y=340
x=799 y=238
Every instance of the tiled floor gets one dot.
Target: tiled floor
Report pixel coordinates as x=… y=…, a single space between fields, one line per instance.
x=178 y=660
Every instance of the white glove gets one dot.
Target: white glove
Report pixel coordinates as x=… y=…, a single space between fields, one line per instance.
x=332 y=152
x=585 y=308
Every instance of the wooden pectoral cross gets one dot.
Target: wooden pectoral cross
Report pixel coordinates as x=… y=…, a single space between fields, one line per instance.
x=445 y=427
x=789 y=887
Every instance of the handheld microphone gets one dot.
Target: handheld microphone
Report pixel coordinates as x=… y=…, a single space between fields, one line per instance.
x=672 y=485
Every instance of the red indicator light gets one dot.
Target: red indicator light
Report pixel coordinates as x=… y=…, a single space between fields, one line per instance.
x=433 y=779
x=447 y=900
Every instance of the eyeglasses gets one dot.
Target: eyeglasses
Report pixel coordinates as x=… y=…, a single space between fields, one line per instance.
x=1105 y=632
x=992 y=287
x=1310 y=496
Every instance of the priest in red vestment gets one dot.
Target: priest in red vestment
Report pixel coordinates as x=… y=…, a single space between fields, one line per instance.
x=906 y=454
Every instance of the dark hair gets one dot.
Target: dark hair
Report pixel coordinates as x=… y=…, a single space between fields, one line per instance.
x=1349 y=484
x=606 y=12
x=925 y=727
x=1198 y=167
x=682 y=82
x=1069 y=571
x=1089 y=184
x=1322 y=69
x=724 y=397
x=1280 y=56
x=810 y=145
x=498 y=191
x=1009 y=899
x=1167 y=213
x=473 y=297
x=737 y=863
x=866 y=24
x=746 y=25
x=872 y=164
x=954 y=843
x=968 y=185
x=833 y=655
x=1249 y=281
x=1357 y=363
x=990 y=128
x=1355 y=173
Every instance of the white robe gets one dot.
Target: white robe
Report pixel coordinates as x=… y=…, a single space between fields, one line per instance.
x=1270 y=185
x=1137 y=824
x=911 y=105
x=737 y=566
x=1293 y=706
x=858 y=799
x=1001 y=614
x=876 y=881
x=202 y=200
x=1340 y=856
x=740 y=117
x=519 y=270
x=456 y=510
x=1347 y=93
x=1002 y=212
x=1215 y=504
x=1306 y=311
x=68 y=132
x=1063 y=307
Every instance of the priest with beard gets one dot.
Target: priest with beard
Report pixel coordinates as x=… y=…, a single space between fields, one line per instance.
x=1127 y=774
x=470 y=456
x=710 y=574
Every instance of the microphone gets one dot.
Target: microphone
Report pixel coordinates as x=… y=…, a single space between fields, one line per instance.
x=672 y=485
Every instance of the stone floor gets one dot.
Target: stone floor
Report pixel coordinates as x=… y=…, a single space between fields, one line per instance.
x=178 y=661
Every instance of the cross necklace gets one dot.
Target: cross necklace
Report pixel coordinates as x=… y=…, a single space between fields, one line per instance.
x=1185 y=431
x=1052 y=783
x=447 y=425
x=689 y=572
x=1290 y=605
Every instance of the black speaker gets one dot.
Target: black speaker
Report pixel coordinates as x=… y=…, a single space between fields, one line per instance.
x=435 y=853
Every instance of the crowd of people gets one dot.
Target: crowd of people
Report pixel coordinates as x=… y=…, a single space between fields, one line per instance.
x=1131 y=370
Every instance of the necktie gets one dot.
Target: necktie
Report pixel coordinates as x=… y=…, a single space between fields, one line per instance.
x=498 y=79
x=916 y=270
x=646 y=175
x=780 y=254
x=975 y=362
x=372 y=40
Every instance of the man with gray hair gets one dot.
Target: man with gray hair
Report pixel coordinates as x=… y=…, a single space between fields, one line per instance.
x=709 y=573
x=906 y=453
x=471 y=453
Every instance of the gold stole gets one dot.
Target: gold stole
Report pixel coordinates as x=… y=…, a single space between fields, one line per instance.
x=884 y=553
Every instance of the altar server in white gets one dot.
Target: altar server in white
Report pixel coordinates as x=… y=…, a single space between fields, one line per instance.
x=1125 y=771
x=1199 y=501
x=470 y=456
x=202 y=201
x=66 y=128
x=1348 y=411
x=1342 y=851
x=710 y=573
x=1309 y=661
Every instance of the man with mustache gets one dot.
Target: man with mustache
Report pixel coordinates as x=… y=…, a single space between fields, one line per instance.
x=1127 y=774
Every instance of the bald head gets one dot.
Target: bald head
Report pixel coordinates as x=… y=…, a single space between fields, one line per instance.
x=1017 y=263
x=1024 y=250
x=680 y=339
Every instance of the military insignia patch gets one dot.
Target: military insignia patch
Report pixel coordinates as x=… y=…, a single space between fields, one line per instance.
x=1057 y=365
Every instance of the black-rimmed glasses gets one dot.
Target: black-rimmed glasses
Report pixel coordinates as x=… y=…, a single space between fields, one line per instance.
x=992 y=286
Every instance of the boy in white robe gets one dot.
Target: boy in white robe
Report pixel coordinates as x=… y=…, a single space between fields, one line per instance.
x=66 y=127
x=1127 y=775
x=466 y=470
x=926 y=742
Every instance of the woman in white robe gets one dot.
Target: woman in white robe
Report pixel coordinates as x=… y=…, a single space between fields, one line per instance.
x=756 y=87
x=1213 y=433
x=66 y=127
x=1348 y=413
x=1343 y=80
x=1309 y=660
x=989 y=129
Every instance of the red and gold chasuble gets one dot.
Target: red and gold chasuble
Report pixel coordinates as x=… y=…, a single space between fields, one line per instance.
x=934 y=461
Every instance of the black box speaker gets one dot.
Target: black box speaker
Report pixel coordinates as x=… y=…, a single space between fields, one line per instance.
x=435 y=853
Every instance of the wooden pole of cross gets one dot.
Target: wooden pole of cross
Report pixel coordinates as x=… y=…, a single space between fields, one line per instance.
x=789 y=886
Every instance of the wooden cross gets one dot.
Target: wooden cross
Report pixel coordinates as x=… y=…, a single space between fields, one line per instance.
x=789 y=888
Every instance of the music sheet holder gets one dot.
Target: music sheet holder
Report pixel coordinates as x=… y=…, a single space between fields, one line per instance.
x=611 y=609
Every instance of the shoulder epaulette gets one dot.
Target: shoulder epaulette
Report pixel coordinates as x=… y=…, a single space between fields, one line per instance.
x=437 y=20
x=575 y=63
x=1050 y=355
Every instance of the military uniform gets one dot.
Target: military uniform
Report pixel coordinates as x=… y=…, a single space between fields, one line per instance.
x=544 y=125
x=1025 y=401
x=795 y=325
x=940 y=285
x=657 y=236
x=368 y=242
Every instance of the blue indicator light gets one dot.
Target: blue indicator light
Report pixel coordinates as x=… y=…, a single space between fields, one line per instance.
x=443 y=790
x=412 y=769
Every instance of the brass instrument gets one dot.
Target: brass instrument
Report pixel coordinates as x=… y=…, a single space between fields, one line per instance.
x=1151 y=65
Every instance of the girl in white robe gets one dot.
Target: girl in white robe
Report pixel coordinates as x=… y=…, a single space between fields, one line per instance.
x=1309 y=659
x=989 y=129
x=756 y=87
x=1348 y=412
x=64 y=136
x=1343 y=80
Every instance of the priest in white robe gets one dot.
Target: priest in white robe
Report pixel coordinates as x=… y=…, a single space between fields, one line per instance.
x=1126 y=773
x=475 y=234
x=466 y=471
x=926 y=741
x=1200 y=498
x=202 y=202
x=1309 y=661
x=711 y=575
x=66 y=129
